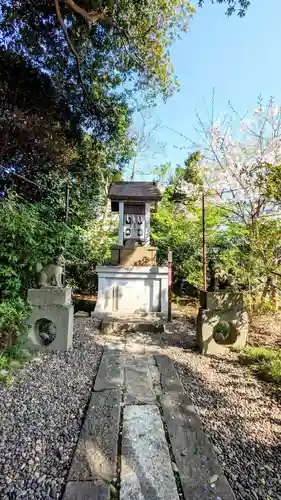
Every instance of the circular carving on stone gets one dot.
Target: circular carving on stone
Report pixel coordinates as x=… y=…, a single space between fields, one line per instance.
x=224 y=332
x=45 y=331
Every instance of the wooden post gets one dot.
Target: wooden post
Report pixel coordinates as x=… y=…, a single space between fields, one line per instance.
x=147 y=223
x=170 y=263
x=66 y=220
x=121 y=223
x=66 y=203
x=204 y=248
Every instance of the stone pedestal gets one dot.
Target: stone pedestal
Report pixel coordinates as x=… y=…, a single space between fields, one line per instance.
x=221 y=311
x=51 y=320
x=132 y=291
x=140 y=256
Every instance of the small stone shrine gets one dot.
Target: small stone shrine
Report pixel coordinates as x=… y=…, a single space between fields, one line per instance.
x=222 y=322
x=51 y=320
x=133 y=284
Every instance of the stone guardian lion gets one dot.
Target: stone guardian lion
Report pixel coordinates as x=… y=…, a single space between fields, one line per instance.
x=51 y=274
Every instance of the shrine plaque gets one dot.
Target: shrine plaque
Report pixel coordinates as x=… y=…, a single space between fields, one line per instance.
x=134 y=227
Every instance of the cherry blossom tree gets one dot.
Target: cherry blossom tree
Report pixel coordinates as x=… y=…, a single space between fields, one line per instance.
x=238 y=155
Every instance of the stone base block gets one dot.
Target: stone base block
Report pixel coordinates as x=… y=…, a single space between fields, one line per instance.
x=132 y=290
x=138 y=256
x=221 y=300
x=49 y=295
x=238 y=330
x=115 y=254
x=61 y=320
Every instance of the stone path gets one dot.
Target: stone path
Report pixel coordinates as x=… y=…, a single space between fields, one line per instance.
x=141 y=438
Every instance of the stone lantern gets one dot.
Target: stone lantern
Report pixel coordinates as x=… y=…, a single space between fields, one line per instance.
x=133 y=284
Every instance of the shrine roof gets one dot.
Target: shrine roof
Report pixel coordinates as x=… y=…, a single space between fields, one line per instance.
x=140 y=191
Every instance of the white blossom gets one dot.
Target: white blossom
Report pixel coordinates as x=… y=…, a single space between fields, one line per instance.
x=235 y=168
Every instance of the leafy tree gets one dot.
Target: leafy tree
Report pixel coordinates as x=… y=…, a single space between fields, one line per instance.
x=177 y=225
x=87 y=247
x=83 y=60
x=37 y=128
x=97 y=44
x=239 y=6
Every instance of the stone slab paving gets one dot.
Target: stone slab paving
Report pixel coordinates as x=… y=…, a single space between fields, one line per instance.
x=138 y=381
x=111 y=370
x=86 y=491
x=96 y=451
x=142 y=439
x=200 y=473
x=169 y=379
x=146 y=471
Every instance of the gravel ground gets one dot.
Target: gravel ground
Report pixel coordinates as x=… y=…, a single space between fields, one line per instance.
x=41 y=416
x=240 y=414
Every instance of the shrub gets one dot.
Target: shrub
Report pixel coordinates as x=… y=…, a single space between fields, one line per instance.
x=265 y=362
x=13 y=314
x=29 y=234
x=86 y=248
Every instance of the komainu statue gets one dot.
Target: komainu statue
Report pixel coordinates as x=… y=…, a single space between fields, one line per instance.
x=51 y=274
x=219 y=279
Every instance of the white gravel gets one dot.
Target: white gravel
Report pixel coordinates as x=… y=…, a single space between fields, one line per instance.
x=41 y=416
x=240 y=414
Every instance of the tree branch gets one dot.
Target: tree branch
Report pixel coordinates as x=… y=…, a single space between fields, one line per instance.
x=90 y=17
x=70 y=44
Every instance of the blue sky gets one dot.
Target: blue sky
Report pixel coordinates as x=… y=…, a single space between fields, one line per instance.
x=240 y=58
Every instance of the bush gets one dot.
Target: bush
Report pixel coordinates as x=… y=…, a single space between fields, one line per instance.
x=86 y=248
x=265 y=362
x=13 y=314
x=13 y=357
x=29 y=234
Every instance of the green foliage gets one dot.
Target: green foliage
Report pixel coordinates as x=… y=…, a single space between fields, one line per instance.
x=265 y=362
x=274 y=182
x=249 y=248
x=62 y=74
x=191 y=172
x=29 y=234
x=251 y=251
x=11 y=357
x=13 y=313
x=181 y=232
x=222 y=327
x=234 y=6
x=177 y=225
x=112 y=43
x=11 y=360
x=87 y=247
x=35 y=122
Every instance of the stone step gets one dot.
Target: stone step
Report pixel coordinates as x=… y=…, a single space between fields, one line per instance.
x=108 y=326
